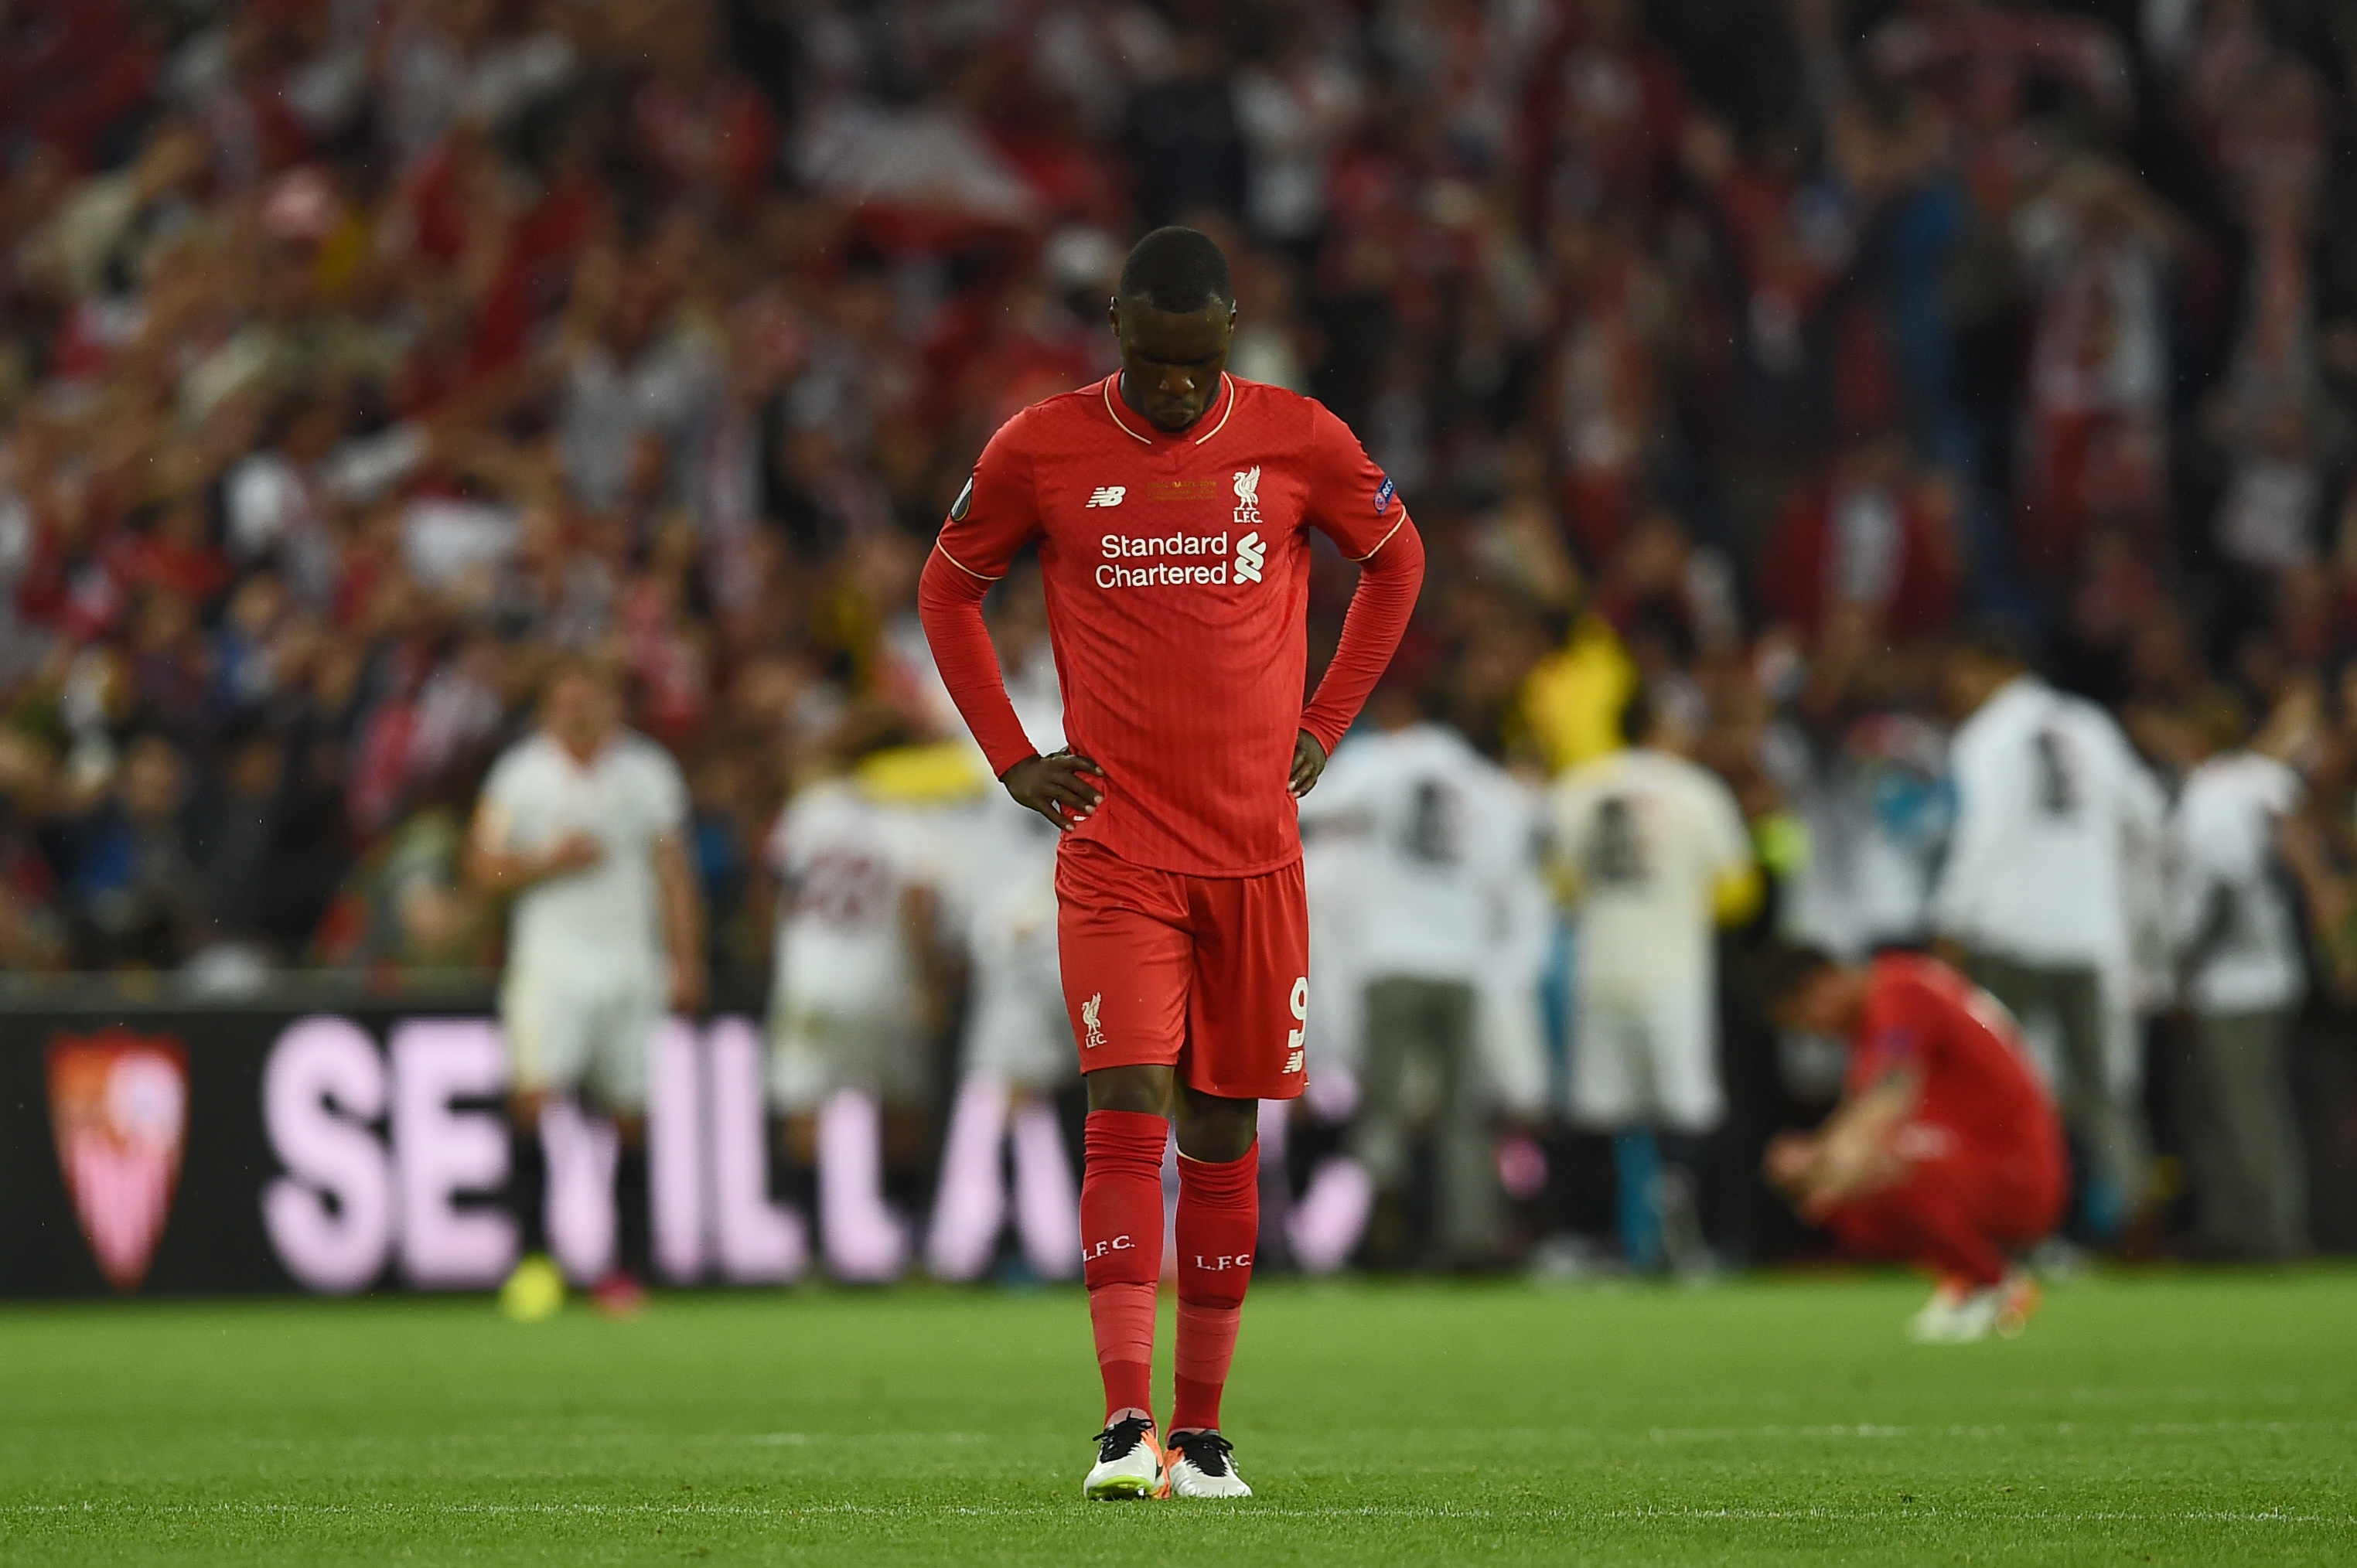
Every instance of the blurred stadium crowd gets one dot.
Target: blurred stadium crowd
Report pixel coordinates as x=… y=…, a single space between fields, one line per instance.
x=358 y=357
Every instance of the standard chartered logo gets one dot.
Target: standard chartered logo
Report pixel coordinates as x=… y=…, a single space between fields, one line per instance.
x=1175 y=560
x=1179 y=560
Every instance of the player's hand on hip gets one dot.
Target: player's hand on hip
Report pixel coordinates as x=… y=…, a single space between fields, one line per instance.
x=1064 y=787
x=1309 y=762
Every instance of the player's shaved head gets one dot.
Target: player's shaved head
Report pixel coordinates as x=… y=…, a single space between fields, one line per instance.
x=1801 y=986
x=1178 y=270
x=1175 y=314
x=1787 y=969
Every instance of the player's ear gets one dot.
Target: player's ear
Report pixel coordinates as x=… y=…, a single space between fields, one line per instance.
x=1113 y=313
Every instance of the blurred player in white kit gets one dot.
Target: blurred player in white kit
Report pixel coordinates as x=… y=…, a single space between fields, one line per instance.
x=1651 y=853
x=865 y=855
x=1449 y=940
x=2239 y=947
x=2056 y=818
x=582 y=825
x=1017 y=1052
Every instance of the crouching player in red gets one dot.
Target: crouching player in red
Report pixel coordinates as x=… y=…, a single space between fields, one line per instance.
x=1945 y=1153
x=1172 y=504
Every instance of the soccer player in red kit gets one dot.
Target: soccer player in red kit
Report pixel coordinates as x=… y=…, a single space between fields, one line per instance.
x=1172 y=504
x=1945 y=1151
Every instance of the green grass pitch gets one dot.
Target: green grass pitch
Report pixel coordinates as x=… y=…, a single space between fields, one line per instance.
x=2170 y=1418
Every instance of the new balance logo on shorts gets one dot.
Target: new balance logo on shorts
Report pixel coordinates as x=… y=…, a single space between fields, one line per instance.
x=1107 y=495
x=1095 y=1036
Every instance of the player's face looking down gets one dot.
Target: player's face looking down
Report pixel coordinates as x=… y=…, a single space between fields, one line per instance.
x=1171 y=361
x=1827 y=1003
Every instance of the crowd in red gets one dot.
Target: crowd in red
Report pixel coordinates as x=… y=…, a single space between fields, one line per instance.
x=356 y=356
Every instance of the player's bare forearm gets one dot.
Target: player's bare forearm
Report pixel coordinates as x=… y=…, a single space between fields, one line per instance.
x=504 y=873
x=1791 y=1164
x=1063 y=786
x=683 y=923
x=1854 y=1150
x=1844 y=1174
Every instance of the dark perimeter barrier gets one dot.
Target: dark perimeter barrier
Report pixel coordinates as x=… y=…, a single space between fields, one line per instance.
x=340 y=1141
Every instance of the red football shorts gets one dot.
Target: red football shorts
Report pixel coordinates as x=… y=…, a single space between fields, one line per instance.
x=1959 y=1211
x=1208 y=974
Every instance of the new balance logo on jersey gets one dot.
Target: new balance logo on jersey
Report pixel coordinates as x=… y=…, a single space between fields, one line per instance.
x=1107 y=495
x=1250 y=554
x=1094 y=1035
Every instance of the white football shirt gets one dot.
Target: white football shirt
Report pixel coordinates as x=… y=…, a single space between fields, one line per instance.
x=1875 y=807
x=2050 y=805
x=848 y=863
x=1647 y=838
x=2223 y=842
x=607 y=918
x=1008 y=865
x=1450 y=864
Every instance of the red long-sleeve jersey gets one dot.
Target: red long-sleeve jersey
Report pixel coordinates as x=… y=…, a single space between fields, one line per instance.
x=1177 y=571
x=1977 y=1084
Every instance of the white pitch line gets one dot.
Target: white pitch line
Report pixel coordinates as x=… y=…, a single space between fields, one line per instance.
x=1992 y=1514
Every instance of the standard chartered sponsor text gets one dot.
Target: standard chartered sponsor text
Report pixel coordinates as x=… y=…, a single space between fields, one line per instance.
x=1163 y=573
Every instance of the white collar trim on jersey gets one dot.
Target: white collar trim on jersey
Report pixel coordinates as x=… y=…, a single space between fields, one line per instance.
x=1227 y=397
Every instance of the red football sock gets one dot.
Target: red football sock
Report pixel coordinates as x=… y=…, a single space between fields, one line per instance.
x=1121 y=1248
x=1218 y=1225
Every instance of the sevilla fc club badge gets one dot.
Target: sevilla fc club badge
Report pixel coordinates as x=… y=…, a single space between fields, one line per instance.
x=118 y=1103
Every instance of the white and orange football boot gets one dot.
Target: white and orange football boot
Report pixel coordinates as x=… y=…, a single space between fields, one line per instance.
x=2019 y=1295
x=1958 y=1313
x=1203 y=1466
x=1129 y=1463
